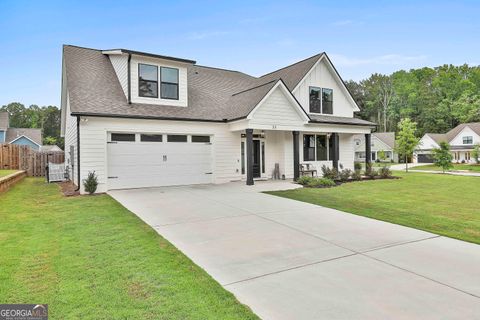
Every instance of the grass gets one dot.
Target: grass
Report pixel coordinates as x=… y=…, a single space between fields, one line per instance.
x=4 y=172
x=443 y=204
x=88 y=257
x=456 y=166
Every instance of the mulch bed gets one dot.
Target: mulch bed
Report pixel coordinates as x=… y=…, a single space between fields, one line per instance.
x=68 y=189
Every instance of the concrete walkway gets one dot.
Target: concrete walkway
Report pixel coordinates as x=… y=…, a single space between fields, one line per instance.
x=292 y=260
x=412 y=166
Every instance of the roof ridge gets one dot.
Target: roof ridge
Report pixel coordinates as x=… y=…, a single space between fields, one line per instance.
x=80 y=47
x=291 y=65
x=256 y=87
x=223 y=69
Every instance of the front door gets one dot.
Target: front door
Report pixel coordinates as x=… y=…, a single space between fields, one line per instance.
x=256 y=159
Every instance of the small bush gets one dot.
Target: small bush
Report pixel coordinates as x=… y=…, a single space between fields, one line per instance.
x=357 y=175
x=357 y=166
x=345 y=175
x=321 y=183
x=304 y=180
x=329 y=173
x=91 y=182
x=385 y=172
x=370 y=172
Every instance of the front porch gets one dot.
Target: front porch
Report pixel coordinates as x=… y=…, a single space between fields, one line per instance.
x=278 y=154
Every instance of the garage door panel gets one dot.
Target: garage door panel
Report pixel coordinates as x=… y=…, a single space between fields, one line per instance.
x=138 y=164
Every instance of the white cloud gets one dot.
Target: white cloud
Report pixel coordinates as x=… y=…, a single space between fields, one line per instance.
x=388 y=59
x=207 y=34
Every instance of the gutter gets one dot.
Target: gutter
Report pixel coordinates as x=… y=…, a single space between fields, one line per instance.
x=129 y=80
x=78 y=153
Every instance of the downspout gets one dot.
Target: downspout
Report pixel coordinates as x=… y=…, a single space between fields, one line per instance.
x=129 y=85
x=78 y=153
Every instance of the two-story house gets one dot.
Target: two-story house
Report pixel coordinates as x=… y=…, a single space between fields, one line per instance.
x=462 y=139
x=141 y=120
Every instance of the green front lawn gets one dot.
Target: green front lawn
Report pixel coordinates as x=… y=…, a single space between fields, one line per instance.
x=443 y=204
x=4 y=173
x=90 y=258
x=456 y=166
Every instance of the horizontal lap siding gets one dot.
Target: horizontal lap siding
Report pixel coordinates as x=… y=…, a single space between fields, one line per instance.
x=71 y=140
x=226 y=145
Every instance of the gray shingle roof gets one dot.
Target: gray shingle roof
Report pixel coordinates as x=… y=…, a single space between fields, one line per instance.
x=386 y=137
x=318 y=118
x=33 y=134
x=450 y=135
x=213 y=94
x=3 y=120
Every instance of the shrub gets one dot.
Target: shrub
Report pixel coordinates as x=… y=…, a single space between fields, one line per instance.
x=370 y=172
x=321 y=183
x=304 y=180
x=357 y=166
x=385 y=172
x=357 y=175
x=329 y=173
x=91 y=182
x=345 y=175
x=368 y=168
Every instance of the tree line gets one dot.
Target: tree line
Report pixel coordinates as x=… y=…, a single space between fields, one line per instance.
x=436 y=99
x=46 y=118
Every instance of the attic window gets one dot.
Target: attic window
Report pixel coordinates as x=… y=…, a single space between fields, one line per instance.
x=321 y=100
x=169 y=83
x=468 y=140
x=147 y=81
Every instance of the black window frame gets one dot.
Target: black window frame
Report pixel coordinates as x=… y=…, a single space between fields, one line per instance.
x=322 y=104
x=317 y=145
x=139 y=80
x=197 y=136
x=319 y=99
x=315 y=157
x=306 y=149
x=177 y=135
x=170 y=83
x=145 y=135
x=468 y=139
x=118 y=134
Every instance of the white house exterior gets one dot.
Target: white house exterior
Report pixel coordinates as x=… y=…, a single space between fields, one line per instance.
x=380 y=141
x=462 y=139
x=19 y=136
x=145 y=120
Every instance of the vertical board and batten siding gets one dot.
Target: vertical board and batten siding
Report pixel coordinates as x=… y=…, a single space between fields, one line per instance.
x=322 y=76
x=71 y=140
x=120 y=65
x=182 y=82
x=277 y=110
x=94 y=157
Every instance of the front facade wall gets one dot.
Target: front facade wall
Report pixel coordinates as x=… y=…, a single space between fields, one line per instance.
x=466 y=132
x=93 y=138
x=321 y=76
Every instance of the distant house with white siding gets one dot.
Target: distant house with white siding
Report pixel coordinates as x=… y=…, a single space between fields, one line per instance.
x=380 y=141
x=20 y=136
x=462 y=139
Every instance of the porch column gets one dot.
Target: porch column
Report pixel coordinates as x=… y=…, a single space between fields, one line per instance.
x=296 y=155
x=368 y=148
x=249 y=145
x=336 y=149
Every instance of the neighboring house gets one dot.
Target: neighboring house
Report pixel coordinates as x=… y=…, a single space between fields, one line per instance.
x=142 y=120
x=50 y=148
x=380 y=141
x=21 y=136
x=461 y=139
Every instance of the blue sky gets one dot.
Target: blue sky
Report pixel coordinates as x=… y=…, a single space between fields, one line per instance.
x=255 y=37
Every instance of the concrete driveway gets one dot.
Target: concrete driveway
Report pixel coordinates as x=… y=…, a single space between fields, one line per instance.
x=292 y=260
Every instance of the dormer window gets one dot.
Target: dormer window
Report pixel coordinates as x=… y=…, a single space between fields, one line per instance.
x=321 y=100
x=169 y=83
x=147 y=81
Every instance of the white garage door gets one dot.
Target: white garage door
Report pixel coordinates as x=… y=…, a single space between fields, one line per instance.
x=141 y=160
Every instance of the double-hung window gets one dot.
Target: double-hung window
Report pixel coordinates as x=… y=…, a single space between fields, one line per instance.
x=147 y=80
x=468 y=140
x=169 y=83
x=315 y=147
x=321 y=100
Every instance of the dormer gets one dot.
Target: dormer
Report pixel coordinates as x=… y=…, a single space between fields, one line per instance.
x=151 y=79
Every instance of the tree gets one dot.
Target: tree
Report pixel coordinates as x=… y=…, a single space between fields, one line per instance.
x=442 y=156
x=406 y=141
x=476 y=153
